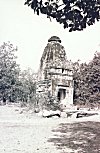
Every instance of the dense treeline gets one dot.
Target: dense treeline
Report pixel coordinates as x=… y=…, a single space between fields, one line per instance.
x=14 y=84
x=87 y=81
x=17 y=85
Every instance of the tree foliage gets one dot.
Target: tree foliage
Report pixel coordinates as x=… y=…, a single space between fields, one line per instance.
x=73 y=14
x=87 y=81
x=27 y=85
x=9 y=71
x=15 y=85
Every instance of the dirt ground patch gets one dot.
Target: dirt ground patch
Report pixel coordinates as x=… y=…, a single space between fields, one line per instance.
x=24 y=132
x=83 y=137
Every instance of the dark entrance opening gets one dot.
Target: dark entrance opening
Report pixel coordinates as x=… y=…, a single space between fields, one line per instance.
x=61 y=94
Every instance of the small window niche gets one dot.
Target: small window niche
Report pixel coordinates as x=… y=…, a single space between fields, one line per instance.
x=62 y=70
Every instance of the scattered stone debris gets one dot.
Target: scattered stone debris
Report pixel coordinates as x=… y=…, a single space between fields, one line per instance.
x=37 y=110
x=51 y=113
x=85 y=114
x=21 y=112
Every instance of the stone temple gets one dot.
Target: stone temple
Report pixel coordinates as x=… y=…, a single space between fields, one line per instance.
x=55 y=75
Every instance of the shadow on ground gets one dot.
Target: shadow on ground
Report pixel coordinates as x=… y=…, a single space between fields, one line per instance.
x=83 y=137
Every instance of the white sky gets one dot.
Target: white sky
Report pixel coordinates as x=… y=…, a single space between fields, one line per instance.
x=30 y=33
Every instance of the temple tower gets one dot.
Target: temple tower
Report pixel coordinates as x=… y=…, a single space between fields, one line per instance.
x=55 y=75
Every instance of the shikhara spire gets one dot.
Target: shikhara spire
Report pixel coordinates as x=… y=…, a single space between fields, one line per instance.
x=55 y=75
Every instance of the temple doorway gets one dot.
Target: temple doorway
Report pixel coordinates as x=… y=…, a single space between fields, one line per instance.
x=61 y=94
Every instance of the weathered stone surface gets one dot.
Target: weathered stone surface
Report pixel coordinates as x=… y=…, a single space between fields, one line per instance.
x=55 y=76
x=85 y=114
x=49 y=114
